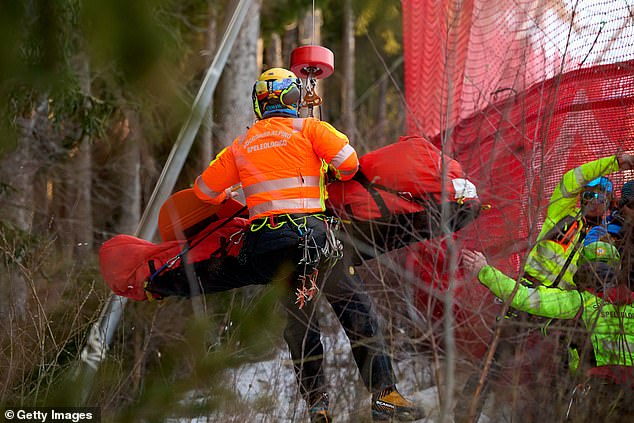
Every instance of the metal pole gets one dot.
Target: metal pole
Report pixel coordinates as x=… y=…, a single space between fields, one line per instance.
x=102 y=331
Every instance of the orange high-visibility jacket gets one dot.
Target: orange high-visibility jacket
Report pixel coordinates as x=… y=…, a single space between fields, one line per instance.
x=281 y=164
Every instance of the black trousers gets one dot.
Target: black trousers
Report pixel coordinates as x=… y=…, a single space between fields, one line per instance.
x=271 y=255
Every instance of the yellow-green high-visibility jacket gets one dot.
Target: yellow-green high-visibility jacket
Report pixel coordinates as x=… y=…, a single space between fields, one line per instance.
x=562 y=226
x=610 y=326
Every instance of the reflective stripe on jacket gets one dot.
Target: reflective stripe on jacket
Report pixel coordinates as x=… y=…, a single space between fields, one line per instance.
x=281 y=164
x=548 y=257
x=610 y=326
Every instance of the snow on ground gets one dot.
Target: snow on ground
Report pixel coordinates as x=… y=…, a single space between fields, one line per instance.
x=267 y=392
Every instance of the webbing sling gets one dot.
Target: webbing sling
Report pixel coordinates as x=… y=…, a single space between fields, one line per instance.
x=373 y=188
x=370 y=187
x=584 y=231
x=189 y=246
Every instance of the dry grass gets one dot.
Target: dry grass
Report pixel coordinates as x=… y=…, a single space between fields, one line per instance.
x=163 y=362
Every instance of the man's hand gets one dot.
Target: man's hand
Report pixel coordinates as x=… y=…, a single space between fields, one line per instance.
x=230 y=193
x=626 y=161
x=331 y=174
x=473 y=261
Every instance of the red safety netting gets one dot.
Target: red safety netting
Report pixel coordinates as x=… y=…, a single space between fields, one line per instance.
x=517 y=150
x=518 y=94
x=461 y=56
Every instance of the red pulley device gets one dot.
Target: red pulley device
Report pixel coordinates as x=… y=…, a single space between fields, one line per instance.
x=312 y=62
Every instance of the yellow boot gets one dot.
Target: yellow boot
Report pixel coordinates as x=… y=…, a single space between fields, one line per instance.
x=318 y=409
x=389 y=404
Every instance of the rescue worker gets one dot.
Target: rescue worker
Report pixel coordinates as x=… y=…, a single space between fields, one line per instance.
x=626 y=208
x=621 y=219
x=552 y=260
x=625 y=234
x=282 y=162
x=606 y=308
x=579 y=202
x=621 y=228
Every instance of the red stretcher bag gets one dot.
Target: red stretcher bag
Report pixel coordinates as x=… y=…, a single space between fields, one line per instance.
x=127 y=262
x=400 y=178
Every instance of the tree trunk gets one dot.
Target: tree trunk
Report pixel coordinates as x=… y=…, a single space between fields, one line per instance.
x=274 y=53
x=381 y=117
x=18 y=170
x=289 y=42
x=80 y=218
x=235 y=111
x=309 y=33
x=206 y=137
x=79 y=178
x=128 y=177
x=349 y=124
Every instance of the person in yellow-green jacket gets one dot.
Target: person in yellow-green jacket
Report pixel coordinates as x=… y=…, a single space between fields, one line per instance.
x=604 y=305
x=581 y=200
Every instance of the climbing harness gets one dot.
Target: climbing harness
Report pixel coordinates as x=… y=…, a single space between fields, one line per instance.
x=313 y=255
x=333 y=250
x=309 y=263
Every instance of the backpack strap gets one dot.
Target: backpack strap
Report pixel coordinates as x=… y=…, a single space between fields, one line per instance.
x=578 y=244
x=374 y=188
x=371 y=188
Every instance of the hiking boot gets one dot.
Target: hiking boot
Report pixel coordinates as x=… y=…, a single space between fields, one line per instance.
x=390 y=405
x=318 y=409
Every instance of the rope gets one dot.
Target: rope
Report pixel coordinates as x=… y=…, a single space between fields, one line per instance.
x=312 y=34
x=169 y=263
